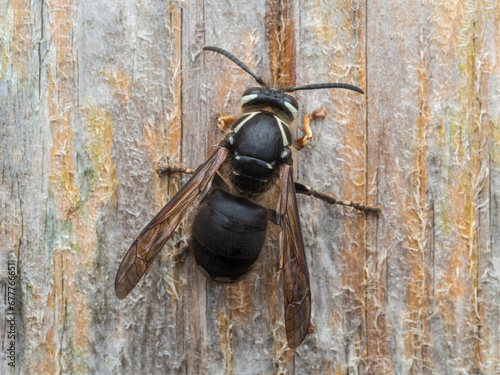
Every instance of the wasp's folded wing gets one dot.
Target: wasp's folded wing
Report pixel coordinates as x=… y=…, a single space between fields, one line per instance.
x=151 y=240
x=296 y=287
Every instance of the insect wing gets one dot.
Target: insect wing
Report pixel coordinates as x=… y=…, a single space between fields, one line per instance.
x=296 y=287
x=146 y=247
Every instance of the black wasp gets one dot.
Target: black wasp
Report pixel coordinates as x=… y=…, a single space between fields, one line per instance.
x=229 y=229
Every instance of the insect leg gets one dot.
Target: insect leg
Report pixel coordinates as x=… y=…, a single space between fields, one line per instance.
x=330 y=199
x=174 y=169
x=306 y=128
x=225 y=123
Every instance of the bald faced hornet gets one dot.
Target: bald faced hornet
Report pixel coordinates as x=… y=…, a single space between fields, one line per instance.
x=229 y=228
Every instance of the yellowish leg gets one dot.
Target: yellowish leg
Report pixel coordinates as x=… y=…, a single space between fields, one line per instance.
x=225 y=123
x=306 y=128
x=174 y=169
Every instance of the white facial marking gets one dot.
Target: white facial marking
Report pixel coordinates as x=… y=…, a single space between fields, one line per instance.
x=248 y=98
x=292 y=109
x=269 y=166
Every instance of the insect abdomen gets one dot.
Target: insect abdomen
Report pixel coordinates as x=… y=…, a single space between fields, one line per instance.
x=227 y=235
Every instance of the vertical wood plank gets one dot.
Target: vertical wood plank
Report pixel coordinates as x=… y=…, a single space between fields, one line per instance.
x=487 y=313
x=434 y=143
x=330 y=47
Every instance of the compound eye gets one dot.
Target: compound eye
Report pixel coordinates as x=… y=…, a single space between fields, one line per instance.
x=250 y=94
x=292 y=104
x=252 y=91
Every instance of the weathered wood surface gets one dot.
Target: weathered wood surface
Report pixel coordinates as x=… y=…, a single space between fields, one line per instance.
x=95 y=95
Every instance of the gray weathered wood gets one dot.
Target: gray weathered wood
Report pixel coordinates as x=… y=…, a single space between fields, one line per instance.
x=94 y=96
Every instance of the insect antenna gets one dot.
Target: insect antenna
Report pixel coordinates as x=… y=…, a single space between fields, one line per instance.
x=326 y=86
x=234 y=59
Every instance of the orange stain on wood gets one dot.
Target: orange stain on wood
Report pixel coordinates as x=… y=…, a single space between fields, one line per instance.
x=457 y=292
x=224 y=329
x=48 y=346
x=287 y=45
x=417 y=340
x=272 y=35
x=76 y=248
x=452 y=286
x=98 y=144
x=494 y=131
x=479 y=316
x=486 y=348
x=154 y=140
x=22 y=42
x=48 y=326
x=61 y=106
x=119 y=81
x=174 y=114
x=416 y=221
x=280 y=32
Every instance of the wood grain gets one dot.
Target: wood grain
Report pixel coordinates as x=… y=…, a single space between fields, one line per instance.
x=94 y=96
